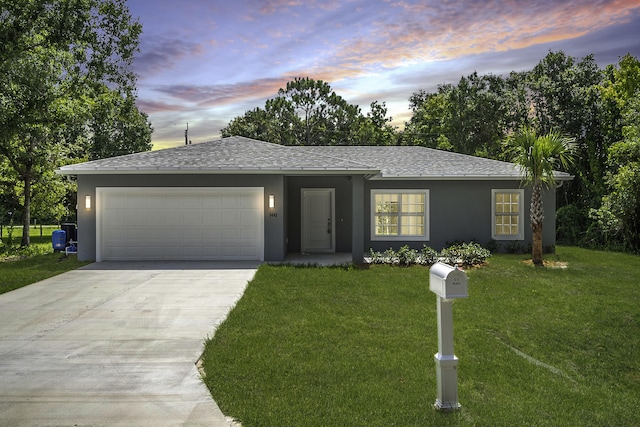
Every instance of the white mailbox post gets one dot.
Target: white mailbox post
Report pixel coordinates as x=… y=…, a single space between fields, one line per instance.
x=447 y=283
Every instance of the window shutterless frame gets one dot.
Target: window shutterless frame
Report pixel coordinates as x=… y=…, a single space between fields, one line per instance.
x=507 y=214
x=400 y=215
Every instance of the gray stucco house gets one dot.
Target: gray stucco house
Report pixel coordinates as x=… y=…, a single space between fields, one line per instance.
x=242 y=199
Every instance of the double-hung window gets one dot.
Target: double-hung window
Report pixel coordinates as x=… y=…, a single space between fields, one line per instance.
x=400 y=214
x=507 y=214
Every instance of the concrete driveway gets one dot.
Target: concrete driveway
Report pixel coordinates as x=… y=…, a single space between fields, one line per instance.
x=114 y=344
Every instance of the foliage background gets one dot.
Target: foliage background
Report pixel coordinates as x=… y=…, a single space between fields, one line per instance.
x=597 y=108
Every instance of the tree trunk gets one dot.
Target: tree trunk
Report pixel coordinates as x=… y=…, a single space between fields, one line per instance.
x=536 y=251
x=26 y=213
x=537 y=217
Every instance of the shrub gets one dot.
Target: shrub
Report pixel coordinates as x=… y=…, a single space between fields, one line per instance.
x=406 y=256
x=465 y=254
x=375 y=257
x=571 y=223
x=390 y=256
x=516 y=247
x=461 y=254
x=428 y=256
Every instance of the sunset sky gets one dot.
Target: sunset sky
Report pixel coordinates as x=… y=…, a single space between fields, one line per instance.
x=206 y=62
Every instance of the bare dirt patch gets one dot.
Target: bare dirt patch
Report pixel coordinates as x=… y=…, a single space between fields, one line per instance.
x=551 y=264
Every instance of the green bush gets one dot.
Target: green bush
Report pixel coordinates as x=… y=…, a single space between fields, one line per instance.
x=465 y=254
x=462 y=254
x=406 y=256
x=571 y=222
x=429 y=256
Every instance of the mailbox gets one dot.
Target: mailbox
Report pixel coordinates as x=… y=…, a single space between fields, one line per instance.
x=448 y=282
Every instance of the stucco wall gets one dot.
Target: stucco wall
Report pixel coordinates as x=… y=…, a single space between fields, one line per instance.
x=274 y=230
x=460 y=211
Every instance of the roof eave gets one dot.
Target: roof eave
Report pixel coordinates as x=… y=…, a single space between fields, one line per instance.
x=470 y=177
x=446 y=177
x=216 y=171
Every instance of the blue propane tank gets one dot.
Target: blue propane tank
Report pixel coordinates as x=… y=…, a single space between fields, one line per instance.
x=58 y=240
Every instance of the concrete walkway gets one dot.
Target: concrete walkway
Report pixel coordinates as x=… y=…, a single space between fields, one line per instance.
x=114 y=344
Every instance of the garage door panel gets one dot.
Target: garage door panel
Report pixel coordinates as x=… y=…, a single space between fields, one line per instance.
x=192 y=252
x=118 y=234
x=247 y=234
x=172 y=234
x=193 y=217
x=229 y=234
x=154 y=217
x=212 y=202
x=229 y=217
x=209 y=234
x=193 y=202
x=229 y=201
x=230 y=251
x=172 y=223
x=247 y=218
x=245 y=250
x=211 y=218
x=153 y=202
x=214 y=251
x=172 y=216
x=193 y=235
x=115 y=217
x=130 y=202
x=130 y=217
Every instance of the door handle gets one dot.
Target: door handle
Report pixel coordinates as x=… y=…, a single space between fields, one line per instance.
x=328 y=225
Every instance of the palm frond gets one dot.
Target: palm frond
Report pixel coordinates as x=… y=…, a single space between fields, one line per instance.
x=539 y=156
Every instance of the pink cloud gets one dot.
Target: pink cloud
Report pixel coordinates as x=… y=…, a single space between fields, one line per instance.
x=430 y=31
x=153 y=107
x=163 y=53
x=218 y=95
x=270 y=7
x=232 y=63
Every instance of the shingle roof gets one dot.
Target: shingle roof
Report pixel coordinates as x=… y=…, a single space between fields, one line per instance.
x=420 y=162
x=231 y=154
x=244 y=155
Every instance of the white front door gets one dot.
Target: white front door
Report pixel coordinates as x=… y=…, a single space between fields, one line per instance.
x=318 y=211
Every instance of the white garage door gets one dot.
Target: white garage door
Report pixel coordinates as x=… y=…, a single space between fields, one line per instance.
x=179 y=224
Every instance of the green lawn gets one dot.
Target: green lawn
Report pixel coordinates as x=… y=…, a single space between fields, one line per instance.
x=18 y=273
x=21 y=267
x=336 y=347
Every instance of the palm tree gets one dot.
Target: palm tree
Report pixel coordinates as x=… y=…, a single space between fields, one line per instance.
x=537 y=156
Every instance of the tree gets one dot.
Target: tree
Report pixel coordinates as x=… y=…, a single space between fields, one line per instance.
x=116 y=126
x=376 y=128
x=29 y=145
x=538 y=156
x=616 y=223
x=429 y=125
x=472 y=117
x=56 y=56
x=309 y=112
x=565 y=96
x=276 y=123
x=325 y=117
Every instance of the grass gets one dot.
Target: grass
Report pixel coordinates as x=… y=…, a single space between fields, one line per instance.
x=327 y=346
x=22 y=266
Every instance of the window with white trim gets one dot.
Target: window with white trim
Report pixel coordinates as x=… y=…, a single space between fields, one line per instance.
x=400 y=214
x=507 y=214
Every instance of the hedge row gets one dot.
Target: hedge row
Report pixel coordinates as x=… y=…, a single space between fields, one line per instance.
x=465 y=254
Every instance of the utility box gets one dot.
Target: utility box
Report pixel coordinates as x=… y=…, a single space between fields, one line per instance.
x=58 y=240
x=448 y=282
